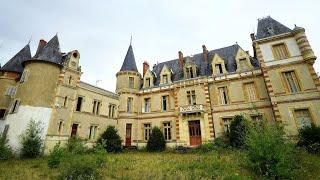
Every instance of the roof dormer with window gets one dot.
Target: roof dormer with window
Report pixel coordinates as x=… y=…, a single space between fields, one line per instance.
x=190 y=69
x=218 y=66
x=148 y=79
x=165 y=75
x=243 y=61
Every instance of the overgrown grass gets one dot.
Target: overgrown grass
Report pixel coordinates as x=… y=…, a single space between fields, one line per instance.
x=226 y=164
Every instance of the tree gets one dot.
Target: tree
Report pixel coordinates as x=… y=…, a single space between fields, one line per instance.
x=156 y=141
x=5 y=149
x=238 y=130
x=31 y=140
x=309 y=138
x=110 y=140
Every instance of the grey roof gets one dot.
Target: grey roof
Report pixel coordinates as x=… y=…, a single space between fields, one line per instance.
x=50 y=52
x=107 y=93
x=228 y=54
x=268 y=27
x=15 y=63
x=129 y=63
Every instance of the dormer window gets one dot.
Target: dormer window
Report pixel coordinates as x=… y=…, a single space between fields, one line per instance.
x=165 y=75
x=243 y=64
x=189 y=72
x=219 y=69
x=218 y=66
x=165 y=79
x=147 y=82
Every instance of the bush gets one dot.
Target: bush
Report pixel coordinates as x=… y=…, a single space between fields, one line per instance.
x=31 y=140
x=156 y=141
x=111 y=140
x=269 y=154
x=238 y=129
x=206 y=147
x=80 y=169
x=5 y=149
x=75 y=145
x=309 y=138
x=221 y=142
x=55 y=156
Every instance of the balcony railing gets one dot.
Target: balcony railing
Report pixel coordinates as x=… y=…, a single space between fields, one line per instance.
x=191 y=109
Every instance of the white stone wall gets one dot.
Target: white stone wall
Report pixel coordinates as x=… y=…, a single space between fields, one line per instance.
x=18 y=123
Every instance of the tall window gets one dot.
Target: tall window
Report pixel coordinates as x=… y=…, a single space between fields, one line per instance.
x=280 y=51
x=131 y=82
x=93 y=131
x=15 y=106
x=191 y=95
x=129 y=104
x=147 y=82
x=226 y=124
x=96 y=107
x=303 y=118
x=112 y=110
x=165 y=103
x=70 y=80
x=60 y=126
x=65 y=100
x=189 y=72
x=24 y=75
x=223 y=95
x=292 y=81
x=219 y=69
x=250 y=91
x=11 y=91
x=147 y=131
x=167 y=131
x=243 y=64
x=147 y=104
x=165 y=78
x=79 y=104
x=2 y=113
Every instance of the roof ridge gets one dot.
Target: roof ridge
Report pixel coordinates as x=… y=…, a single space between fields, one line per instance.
x=15 y=63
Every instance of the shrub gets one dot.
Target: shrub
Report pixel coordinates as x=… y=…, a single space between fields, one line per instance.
x=269 y=154
x=206 y=147
x=309 y=138
x=221 y=142
x=238 y=129
x=156 y=141
x=80 y=169
x=111 y=140
x=75 y=145
x=5 y=149
x=31 y=140
x=55 y=156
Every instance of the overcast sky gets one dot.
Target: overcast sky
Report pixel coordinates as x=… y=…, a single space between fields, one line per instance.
x=101 y=30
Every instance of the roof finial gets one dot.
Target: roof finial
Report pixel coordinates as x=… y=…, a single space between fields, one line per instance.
x=131 y=40
x=30 y=39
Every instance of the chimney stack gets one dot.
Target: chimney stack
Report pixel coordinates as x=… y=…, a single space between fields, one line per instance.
x=145 y=67
x=181 y=60
x=41 y=45
x=253 y=45
x=252 y=36
x=205 y=52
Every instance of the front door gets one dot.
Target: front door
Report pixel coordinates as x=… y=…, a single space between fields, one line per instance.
x=74 y=130
x=194 y=133
x=128 y=134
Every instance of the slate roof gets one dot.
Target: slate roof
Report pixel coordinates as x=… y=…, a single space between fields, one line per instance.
x=228 y=54
x=129 y=63
x=268 y=27
x=15 y=63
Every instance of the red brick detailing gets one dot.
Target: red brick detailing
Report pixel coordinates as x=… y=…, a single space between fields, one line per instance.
x=177 y=110
x=208 y=104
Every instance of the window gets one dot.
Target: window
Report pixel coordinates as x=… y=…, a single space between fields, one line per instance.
x=256 y=117
x=303 y=118
x=15 y=106
x=165 y=79
x=129 y=104
x=96 y=107
x=226 y=124
x=131 y=82
x=243 y=64
x=11 y=91
x=112 y=110
x=147 y=131
x=223 y=95
x=219 y=69
x=280 y=51
x=74 y=129
x=191 y=95
x=65 y=101
x=165 y=103
x=2 y=113
x=147 y=105
x=292 y=81
x=189 y=71
x=147 y=82
x=93 y=131
x=79 y=104
x=167 y=131
x=250 y=91
x=60 y=124
x=24 y=75
x=70 y=80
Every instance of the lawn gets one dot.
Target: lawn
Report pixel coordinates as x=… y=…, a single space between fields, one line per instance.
x=224 y=164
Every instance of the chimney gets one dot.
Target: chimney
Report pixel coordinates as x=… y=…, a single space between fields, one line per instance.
x=145 y=67
x=252 y=37
x=205 y=52
x=42 y=43
x=253 y=45
x=181 y=60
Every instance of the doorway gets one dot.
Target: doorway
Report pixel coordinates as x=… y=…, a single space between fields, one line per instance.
x=194 y=133
x=128 y=134
x=74 y=130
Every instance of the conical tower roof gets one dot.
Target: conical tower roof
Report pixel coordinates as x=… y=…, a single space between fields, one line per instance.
x=129 y=63
x=15 y=63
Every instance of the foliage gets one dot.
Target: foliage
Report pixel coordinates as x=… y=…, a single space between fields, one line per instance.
x=75 y=145
x=111 y=140
x=205 y=148
x=238 y=129
x=5 y=150
x=269 y=154
x=222 y=142
x=156 y=141
x=55 y=156
x=80 y=169
x=309 y=138
x=31 y=140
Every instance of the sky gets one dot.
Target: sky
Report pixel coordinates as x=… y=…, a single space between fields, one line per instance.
x=100 y=30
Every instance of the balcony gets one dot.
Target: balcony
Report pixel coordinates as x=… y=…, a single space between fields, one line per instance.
x=191 y=109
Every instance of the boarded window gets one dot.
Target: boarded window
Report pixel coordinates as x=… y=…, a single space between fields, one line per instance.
x=251 y=91
x=291 y=81
x=303 y=118
x=280 y=51
x=223 y=95
x=243 y=64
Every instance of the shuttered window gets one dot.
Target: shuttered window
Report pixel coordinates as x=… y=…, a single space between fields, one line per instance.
x=280 y=51
x=291 y=81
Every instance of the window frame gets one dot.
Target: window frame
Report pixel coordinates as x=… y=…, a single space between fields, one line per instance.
x=226 y=95
x=167 y=130
x=295 y=81
x=129 y=107
x=296 y=118
x=131 y=82
x=274 y=53
x=146 y=131
x=191 y=97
